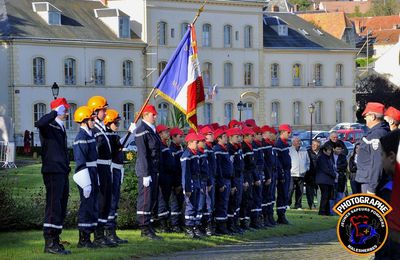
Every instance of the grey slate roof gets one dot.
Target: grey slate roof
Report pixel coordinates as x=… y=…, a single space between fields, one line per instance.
x=78 y=22
x=296 y=39
x=283 y=5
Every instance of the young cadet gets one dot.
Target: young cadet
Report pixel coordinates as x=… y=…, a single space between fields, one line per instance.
x=258 y=148
x=191 y=184
x=167 y=165
x=210 y=195
x=270 y=170
x=249 y=176
x=99 y=106
x=235 y=198
x=284 y=164
x=176 y=194
x=86 y=177
x=203 y=218
x=223 y=181
x=112 y=121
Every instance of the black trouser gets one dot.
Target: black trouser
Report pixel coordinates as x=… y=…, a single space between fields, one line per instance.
x=146 y=200
x=355 y=187
x=88 y=214
x=57 y=191
x=311 y=192
x=326 y=195
x=297 y=187
x=104 y=172
x=164 y=194
x=115 y=196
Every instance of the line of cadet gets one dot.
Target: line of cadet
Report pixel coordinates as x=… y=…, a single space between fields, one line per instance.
x=223 y=182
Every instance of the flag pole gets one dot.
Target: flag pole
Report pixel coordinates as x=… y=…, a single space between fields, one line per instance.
x=201 y=9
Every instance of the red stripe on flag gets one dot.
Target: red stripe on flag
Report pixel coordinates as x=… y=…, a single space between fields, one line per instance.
x=195 y=96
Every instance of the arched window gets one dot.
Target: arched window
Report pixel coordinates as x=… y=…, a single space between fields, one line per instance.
x=208 y=113
x=228 y=74
x=248 y=36
x=228 y=112
x=99 y=72
x=163 y=113
x=161 y=67
x=206 y=40
x=318 y=112
x=127 y=73
x=128 y=113
x=296 y=74
x=248 y=74
x=296 y=112
x=248 y=110
x=38 y=71
x=69 y=123
x=274 y=74
x=207 y=74
x=318 y=74
x=70 y=71
x=339 y=75
x=339 y=111
x=275 y=113
x=184 y=28
x=39 y=110
x=227 y=36
x=162 y=33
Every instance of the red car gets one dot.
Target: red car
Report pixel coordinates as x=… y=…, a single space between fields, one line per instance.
x=350 y=135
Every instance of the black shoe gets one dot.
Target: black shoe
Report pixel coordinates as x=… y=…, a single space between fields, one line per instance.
x=176 y=229
x=282 y=220
x=164 y=228
x=221 y=229
x=52 y=247
x=271 y=219
x=267 y=222
x=208 y=230
x=84 y=240
x=57 y=240
x=190 y=233
x=112 y=236
x=198 y=232
x=148 y=233
x=254 y=223
x=102 y=241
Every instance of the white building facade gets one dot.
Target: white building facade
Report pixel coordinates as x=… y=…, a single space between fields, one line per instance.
x=389 y=64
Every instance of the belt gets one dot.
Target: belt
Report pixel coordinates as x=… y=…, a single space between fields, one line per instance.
x=91 y=164
x=103 y=162
x=117 y=166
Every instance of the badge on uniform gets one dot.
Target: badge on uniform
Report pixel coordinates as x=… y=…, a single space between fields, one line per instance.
x=232 y=157
x=375 y=144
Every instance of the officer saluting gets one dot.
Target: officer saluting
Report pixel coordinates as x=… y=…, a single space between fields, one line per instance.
x=148 y=145
x=55 y=169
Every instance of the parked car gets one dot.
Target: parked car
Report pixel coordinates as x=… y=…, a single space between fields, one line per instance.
x=350 y=148
x=351 y=135
x=317 y=134
x=349 y=126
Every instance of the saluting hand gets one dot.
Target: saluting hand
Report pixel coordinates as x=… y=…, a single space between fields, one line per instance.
x=267 y=182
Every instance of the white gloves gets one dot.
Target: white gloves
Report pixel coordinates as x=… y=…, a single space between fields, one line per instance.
x=60 y=110
x=122 y=175
x=132 y=128
x=86 y=191
x=146 y=181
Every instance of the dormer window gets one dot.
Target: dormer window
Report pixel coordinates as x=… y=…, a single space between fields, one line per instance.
x=49 y=13
x=124 y=28
x=116 y=20
x=282 y=30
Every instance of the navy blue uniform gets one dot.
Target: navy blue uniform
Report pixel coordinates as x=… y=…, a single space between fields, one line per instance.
x=55 y=169
x=165 y=179
x=258 y=150
x=236 y=156
x=148 y=145
x=284 y=164
x=177 y=195
x=270 y=172
x=224 y=173
x=191 y=183
x=205 y=181
x=210 y=195
x=85 y=156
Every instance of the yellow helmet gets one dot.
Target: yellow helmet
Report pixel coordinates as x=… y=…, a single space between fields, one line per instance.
x=83 y=113
x=97 y=102
x=112 y=116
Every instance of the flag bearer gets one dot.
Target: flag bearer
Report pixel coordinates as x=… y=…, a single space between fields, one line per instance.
x=258 y=149
x=55 y=170
x=177 y=198
x=205 y=186
x=112 y=122
x=86 y=176
x=284 y=165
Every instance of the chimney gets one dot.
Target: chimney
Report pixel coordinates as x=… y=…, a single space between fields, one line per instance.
x=315 y=6
x=104 y=2
x=275 y=8
x=296 y=7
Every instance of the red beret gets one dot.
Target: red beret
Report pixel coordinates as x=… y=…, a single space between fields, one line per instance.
x=285 y=127
x=248 y=131
x=215 y=126
x=374 y=107
x=175 y=131
x=219 y=132
x=273 y=130
x=192 y=137
x=257 y=130
x=206 y=130
x=233 y=131
x=150 y=109
x=58 y=102
x=161 y=128
x=393 y=113
x=250 y=122
x=224 y=127
x=201 y=137
x=265 y=128
x=191 y=131
x=234 y=123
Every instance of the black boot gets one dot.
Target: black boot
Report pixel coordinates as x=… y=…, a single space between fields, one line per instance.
x=57 y=240
x=208 y=230
x=84 y=240
x=176 y=229
x=254 y=223
x=271 y=219
x=147 y=232
x=198 y=232
x=52 y=247
x=230 y=226
x=236 y=223
x=282 y=220
x=267 y=222
x=164 y=228
x=112 y=236
x=189 y=232
x=221 y=229
x=100 y=240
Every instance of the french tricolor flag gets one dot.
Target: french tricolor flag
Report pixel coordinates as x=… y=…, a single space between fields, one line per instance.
x=181 y=83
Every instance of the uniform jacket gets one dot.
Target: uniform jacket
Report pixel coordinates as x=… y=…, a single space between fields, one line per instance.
x=325 y=171
x=104 y=149
x=117 y=156
x=270 y=158
x=167 y=161
x=176 y=151
x=369 y=161
x=223 y=163
x=284 y=163
x=85 y=153
x=236 y=156
x=190 y=164
x=250 y=174
x=148 y=145
x=211 y=159
x=258 y=150
x=205 y=174
x=300 y=162
x=55 y=158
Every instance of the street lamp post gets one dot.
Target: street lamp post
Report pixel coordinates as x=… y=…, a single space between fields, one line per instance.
x=55 y=89
x=240 y=108
x=311 y=109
